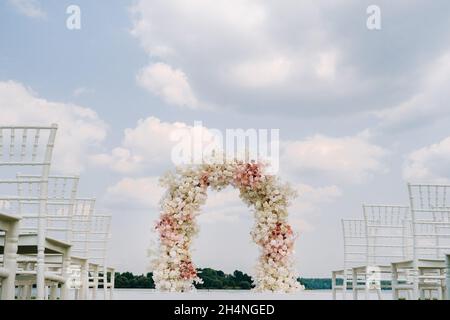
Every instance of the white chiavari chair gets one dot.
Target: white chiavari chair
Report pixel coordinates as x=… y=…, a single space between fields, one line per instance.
x=355 y=255
x=82 y=219
x=101 y=276
x=429 y=229
x=447 y=264
x=9 y=231
x=69 y=220
x=62 y=192
x=30 y=149
x=387 y=242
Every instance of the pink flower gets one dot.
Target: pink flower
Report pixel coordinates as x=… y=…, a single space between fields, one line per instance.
x=204 y=180
x=248 y=174
x=187 y=270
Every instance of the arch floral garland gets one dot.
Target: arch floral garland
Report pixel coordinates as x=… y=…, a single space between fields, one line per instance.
x=187 y=192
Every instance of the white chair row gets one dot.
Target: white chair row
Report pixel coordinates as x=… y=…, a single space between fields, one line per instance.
x=48 y=232
x=369 y=245
x=28 y=148
x=447 y=263
x=10 y=227
x=398 y=247
x=424 y=272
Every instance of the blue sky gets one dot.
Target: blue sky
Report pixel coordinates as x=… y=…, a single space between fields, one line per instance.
x=360 y=112
x=101 y=56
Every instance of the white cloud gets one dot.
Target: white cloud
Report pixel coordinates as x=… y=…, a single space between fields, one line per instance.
x=309 y=202
x=295 y=57
x=326 y=68
x=429 y=164
x=149 y=146
x=146 y=145
x=198 y=19
x=145 y=192
x=79 y=128
x=30 y=8
x=170 y=84
x=119 y=160
x=262 y=73
x=136 y=192
x=260 y=64
x=428 y=104
x=223 y=206
x=347 y=159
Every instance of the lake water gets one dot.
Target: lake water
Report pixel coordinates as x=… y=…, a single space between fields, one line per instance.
x=149 y=294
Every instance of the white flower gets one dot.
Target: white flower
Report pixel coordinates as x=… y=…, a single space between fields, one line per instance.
x=184 y=197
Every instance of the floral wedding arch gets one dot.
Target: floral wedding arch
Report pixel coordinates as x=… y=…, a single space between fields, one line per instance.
x=187 y=192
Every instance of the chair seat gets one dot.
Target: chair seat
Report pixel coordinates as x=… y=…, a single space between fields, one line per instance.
x=381 y=268
x=421 y=264
x=78 y=260
x=31 y=274
x=28 y=243
x=6 y=220
x=8 y=217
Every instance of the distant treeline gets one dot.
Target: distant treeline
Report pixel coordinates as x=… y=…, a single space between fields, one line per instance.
x=212 y=279
x=317 y=283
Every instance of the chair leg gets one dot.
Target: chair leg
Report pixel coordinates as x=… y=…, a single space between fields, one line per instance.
x=447 y=277
x=442 y=285
x=367 y=285
x=40 y=275
x=20 y=292
x=26 y=292
x=54 y=291
x=354 y=284
x=84 y=281
x=94 y=289
x=380 y=297
x=333 y=286
x=344 y=285
x=105 y=283
x=395 y=295
x=65 y=272
x=422 y=294
x=417 y=293
x=10 y=262
x=409 y=295
x=112 y=285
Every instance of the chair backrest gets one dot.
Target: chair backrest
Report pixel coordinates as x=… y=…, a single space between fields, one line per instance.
x=99 y=236
x=388 y=239
x=430 y=227
x=68 y=217
x=432 y=237
x=427 y=196
x=63 y=188
x=27 y=149
x=62 y=192
x=355 y=242
x=81 y=224
x=442 y=228
x=27 y=146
